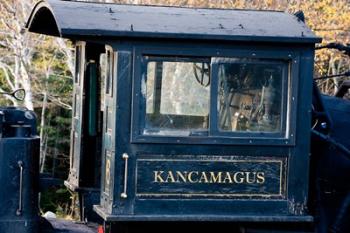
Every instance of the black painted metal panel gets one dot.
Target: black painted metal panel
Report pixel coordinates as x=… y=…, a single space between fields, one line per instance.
x=27 y=153
x=199 y=177
x=19 y=171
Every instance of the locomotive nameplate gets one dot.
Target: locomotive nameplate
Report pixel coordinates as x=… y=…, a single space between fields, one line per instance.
x=212 y=176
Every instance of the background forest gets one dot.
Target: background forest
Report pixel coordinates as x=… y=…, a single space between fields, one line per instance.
x=43 y=66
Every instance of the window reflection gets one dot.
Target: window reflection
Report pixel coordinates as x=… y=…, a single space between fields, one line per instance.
x=177 y=97
x=78 y=50
x=109 y=72
x=103 y=77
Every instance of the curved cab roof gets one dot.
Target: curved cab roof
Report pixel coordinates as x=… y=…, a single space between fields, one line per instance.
x=73 y=19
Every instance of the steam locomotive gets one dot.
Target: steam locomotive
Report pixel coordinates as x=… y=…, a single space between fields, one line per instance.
x=187 y=116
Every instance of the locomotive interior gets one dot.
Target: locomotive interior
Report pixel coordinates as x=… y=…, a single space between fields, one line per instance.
x=250 y=95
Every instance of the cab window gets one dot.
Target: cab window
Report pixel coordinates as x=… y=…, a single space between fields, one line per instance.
x=250 y=95
x=177 y=96
x=213 y=97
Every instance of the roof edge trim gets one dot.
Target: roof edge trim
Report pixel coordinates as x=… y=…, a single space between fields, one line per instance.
x=42 y=20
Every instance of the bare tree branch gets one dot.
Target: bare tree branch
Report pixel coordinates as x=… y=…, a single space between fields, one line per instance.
x=9 y=97
x=59 y=102
x=7 y=76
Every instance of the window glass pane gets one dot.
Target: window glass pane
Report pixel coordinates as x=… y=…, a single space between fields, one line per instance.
x=109 y=72
x=77 y=63
x=103 y=77
x=177 y=97
x=76 y=106
x=250 y=95
x=151 y=67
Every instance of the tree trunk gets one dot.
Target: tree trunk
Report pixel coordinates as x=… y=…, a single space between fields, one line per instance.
x=42 y=141
x=28 y=101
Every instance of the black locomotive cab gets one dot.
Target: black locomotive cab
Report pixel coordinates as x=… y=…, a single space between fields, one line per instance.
x=187 y=114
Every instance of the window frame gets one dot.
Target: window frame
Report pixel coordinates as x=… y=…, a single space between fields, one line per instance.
x=286 y=138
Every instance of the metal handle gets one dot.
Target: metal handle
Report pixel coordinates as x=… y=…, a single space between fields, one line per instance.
x=125 y=157
x=19 y=210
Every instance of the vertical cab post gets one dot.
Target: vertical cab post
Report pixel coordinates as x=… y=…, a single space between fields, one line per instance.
x=108 y=132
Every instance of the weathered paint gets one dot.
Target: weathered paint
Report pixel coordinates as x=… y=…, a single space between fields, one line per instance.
x=70 y=19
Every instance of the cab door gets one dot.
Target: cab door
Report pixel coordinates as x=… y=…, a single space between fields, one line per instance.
x=77 y=118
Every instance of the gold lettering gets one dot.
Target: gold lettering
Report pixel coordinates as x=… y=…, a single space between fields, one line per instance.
x=208 y=177
x=203 y=178
x=260 y=178
x=182 y=176
x=239 y=180
x=248 y=176
x=170 y=178
x=190 y=178
x=228 y=178
x=158 y=177
x=215 y=178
